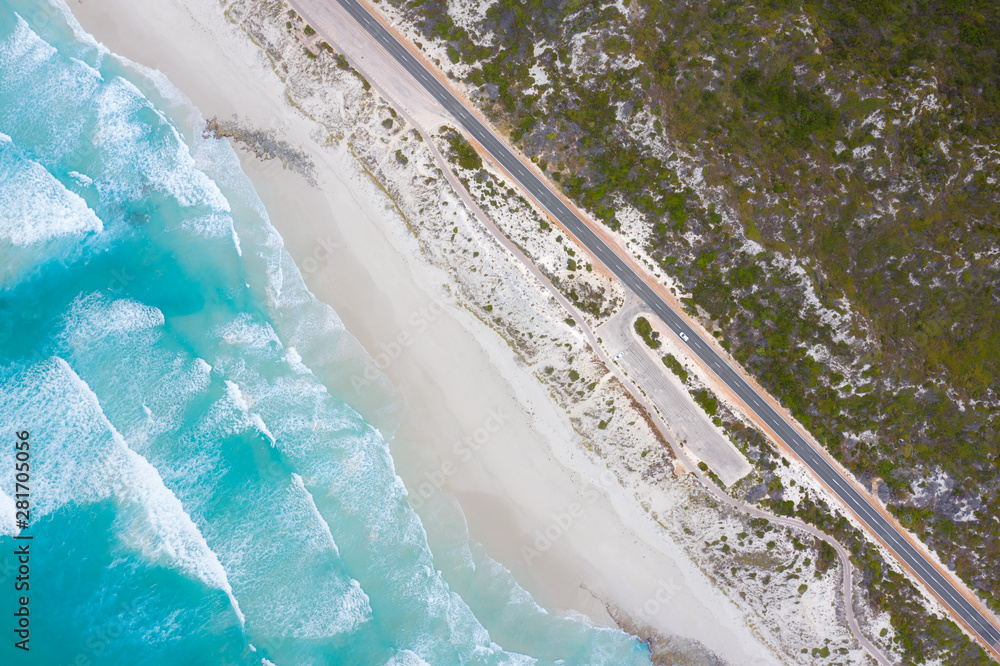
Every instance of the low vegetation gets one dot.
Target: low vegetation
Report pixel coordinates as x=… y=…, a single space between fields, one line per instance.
x=708 y=401
x=462 y=150
x=675 y=367
x=821 y=179
x=646 y=332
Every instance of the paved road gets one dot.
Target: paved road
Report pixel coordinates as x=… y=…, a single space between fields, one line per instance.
x=685 y=420
x=824 y=470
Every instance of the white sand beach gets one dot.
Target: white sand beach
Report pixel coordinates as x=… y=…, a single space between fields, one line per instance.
x=455 y=377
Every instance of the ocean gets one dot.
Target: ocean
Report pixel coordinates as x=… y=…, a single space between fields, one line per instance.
x=201 y=482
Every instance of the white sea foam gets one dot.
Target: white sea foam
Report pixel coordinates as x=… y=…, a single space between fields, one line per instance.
x=31 y=88
x=213 y=225
x=406 y=658
x=351 y=462
x=282 y=558
x=93 y=316
x=227 y=416
x=294 y=361
x=137 y=156
x=332 y=447
x=187 y=183
x=81 y=178
x=87 y=460
x=121 y=341
x=8 y=519
x=140 y=158
x=250 y=418
x=81 y=35
x=234 y=393
x=280 y=531
x=344 y=606
x=311 y=504
x=322 y=601
x=167 y=534
x=25 y=50
x=37 y=207
x=245 y=332
x=298 y=317
x=193 y=185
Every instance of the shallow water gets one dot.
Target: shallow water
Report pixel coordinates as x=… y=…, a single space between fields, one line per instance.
x=207 y=484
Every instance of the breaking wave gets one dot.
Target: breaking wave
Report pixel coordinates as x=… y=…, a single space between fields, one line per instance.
x=205 y=480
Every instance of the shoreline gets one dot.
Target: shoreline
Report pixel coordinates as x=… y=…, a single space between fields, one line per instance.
x=530 y=472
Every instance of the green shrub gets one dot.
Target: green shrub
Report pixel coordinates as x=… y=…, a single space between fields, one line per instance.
x=675 y=366
x=646 y=332
x=708 y=401
x=463 y=152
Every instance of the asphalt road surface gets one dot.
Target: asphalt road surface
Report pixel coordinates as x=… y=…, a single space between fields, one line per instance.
x=688 y=423
x=852 y=498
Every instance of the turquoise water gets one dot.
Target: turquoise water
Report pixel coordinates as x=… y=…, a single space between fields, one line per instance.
x=206 y=486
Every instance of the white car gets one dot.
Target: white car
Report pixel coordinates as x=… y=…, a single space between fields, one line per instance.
x=683 y=335
x=619 y=355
